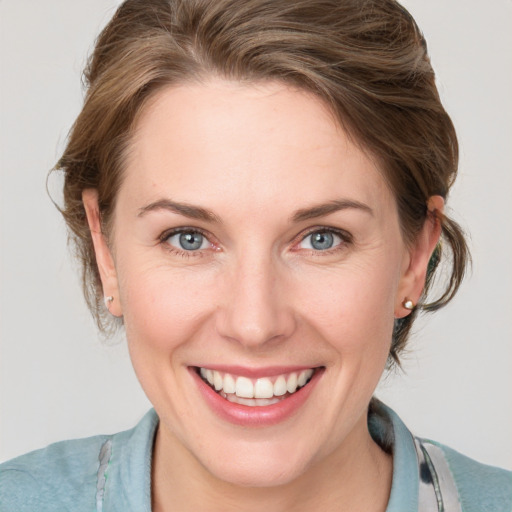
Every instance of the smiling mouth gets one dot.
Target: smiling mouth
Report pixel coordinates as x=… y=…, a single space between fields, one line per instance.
x=256 y=392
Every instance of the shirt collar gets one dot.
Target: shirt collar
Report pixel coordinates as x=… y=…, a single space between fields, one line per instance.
x=388 y=430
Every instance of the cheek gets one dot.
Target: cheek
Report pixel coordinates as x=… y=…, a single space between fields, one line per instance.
x=163 y=307
x=163 y=312
x=353 y=308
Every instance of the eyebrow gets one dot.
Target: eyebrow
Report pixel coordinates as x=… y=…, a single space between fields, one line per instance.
x=185 y=209
x=198 y=213
x=328 y=208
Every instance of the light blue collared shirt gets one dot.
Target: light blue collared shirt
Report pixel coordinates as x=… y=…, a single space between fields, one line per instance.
x=113 y=473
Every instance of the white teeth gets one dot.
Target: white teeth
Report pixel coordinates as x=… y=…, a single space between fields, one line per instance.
x=251 y=402
x=263 y=389
x=217 y=380
x=303 y=377
x=229 y=384
x=261 y=392
x=266 y=401
x=280 y=386
x=244 y=388
x=291 y=385
x=243 y=401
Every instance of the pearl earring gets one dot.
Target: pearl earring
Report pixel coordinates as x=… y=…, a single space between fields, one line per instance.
x=408 y=304
x=108 y=299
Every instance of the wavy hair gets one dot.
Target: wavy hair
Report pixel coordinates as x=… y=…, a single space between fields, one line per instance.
x=365 y=59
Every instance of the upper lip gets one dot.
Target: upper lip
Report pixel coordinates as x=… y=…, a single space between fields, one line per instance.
x=253 y=372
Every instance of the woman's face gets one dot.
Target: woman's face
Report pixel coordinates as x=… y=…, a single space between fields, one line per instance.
x=255 y=245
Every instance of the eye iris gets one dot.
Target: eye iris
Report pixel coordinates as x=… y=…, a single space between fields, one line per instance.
x=322 y=241
x=191 y=241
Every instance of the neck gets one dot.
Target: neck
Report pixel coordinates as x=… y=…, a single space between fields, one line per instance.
x=357 y=478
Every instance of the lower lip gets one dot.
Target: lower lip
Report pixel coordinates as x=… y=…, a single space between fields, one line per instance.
x=257 y=416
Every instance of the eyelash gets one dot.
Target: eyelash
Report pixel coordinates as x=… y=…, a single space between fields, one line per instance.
x=346 y=239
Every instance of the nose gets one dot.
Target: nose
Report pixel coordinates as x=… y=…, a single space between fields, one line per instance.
x=255 y=312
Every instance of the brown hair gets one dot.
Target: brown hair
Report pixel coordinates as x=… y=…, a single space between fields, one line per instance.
x=366 y=59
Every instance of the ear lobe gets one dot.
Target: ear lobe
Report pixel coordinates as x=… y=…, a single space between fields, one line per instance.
x=104 y=258
x=412 y=281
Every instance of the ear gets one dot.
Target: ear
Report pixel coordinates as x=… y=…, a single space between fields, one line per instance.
x=104 y=258
x=413 y=278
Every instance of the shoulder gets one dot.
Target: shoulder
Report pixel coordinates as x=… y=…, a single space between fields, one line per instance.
x=430 y=476
x=71 y=475
x=480 y=488
x=59 y=476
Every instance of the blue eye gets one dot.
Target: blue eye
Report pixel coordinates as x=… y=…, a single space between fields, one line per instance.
x=321 y=240
x=188 y=241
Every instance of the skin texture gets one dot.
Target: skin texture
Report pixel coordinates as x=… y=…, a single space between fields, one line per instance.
x=256 y=294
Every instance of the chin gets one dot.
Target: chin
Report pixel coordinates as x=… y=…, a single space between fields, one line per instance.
x=257 y=471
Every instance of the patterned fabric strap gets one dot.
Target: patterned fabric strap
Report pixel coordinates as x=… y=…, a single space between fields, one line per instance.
x=437 y=492
x=104 y=460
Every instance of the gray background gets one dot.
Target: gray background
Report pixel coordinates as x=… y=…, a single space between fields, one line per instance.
x=58 y=380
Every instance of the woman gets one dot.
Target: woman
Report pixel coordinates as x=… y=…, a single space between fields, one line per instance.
x=256 y=190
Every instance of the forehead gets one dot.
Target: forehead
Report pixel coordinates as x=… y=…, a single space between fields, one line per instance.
x=222 y=141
